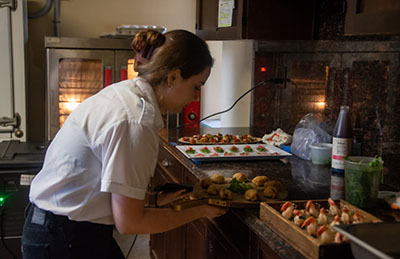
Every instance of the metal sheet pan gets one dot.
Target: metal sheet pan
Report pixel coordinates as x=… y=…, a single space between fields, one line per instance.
x=373 y=240
x=271 y=152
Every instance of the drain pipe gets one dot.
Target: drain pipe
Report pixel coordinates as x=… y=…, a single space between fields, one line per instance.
x=43 y=11
x=56 y=14
x=56 y=20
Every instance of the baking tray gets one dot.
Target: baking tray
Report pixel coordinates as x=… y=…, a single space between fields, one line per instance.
x=271 y=152
x=373 y=240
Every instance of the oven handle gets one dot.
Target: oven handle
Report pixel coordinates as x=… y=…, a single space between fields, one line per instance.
x=107 y=76
x=123 y=73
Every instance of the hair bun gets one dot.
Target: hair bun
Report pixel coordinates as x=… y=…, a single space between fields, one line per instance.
x=144 y=44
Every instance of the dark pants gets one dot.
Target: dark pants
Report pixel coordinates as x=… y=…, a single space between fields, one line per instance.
x=47 y=235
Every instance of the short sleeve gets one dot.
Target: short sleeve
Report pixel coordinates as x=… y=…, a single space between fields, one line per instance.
x=129 y=153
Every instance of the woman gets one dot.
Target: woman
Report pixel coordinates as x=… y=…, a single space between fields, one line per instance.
x=97 y=168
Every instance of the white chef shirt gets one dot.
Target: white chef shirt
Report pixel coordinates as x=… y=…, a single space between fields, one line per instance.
x=108 y=144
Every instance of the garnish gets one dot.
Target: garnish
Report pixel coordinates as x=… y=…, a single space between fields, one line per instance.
x=377 y=162
x=205 y=150
x=190 y=151
x=261 y=148
x=238 y=187
x=219 y=149
x=247 y=148
x=234 y=149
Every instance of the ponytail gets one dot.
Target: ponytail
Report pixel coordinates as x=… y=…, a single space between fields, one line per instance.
x=144 y=44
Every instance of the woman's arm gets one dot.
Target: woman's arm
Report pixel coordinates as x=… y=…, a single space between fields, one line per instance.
x=158 y=199
x=131 y=216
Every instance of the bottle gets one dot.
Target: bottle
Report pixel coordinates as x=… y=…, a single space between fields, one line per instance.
x=337 y=185
x=341 y=147
x=342 y=140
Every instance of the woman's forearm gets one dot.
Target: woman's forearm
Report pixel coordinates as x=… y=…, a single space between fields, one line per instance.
x=131 y=217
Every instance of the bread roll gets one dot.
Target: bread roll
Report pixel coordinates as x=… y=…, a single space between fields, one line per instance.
x=212 y=189
x=205 y=182
x=251 y=195
x=275 y=184
x=225 y=194
x=240 y=177
x=218 y=178
x=260 y=180
x=271 y=192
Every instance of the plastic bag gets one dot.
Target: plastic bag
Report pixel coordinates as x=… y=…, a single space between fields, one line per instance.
x=309 y=130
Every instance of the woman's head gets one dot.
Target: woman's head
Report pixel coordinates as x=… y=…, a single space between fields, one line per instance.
x=172 y=60
x=158 y=54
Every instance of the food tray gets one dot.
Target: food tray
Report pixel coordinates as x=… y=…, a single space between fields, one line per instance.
x=237 y=201
x=254 y=140
x=227 y=153
x=373 y=240
x=306 y=244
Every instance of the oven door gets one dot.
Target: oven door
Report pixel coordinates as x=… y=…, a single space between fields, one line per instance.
x=72 y=76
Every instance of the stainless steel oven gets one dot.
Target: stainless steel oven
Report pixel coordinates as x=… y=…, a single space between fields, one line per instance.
x=77 y=68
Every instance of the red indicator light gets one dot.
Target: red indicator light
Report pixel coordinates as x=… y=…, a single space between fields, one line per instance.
x=263 y=69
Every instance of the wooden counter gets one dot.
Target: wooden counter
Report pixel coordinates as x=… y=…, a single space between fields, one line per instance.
x=239 y=233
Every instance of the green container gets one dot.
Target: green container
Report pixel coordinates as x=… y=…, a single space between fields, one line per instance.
x=361 y=177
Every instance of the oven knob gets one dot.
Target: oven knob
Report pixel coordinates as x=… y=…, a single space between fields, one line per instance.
x=192 y=116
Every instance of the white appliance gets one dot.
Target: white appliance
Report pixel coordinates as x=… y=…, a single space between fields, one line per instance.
x=231 y=76
x=13 y=38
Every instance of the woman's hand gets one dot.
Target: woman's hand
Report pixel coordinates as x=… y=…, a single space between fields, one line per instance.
x=165 y=198
x=214 y=211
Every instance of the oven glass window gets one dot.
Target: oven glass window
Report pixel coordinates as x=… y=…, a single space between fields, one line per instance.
x=78 y=79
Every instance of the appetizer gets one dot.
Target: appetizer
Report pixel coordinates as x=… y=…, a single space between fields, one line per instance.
x=190 y=151
x=219 y=149
x=220 y=139
x=261 y=148
x=259 y=180
x=205 y=182
x=275 y=184
x=251 y=195
x=225 y=194
x=205 y=150
x=218 y=178
x=240 y=177
x=271 y=192
x=212 y=189
x=319 y=223
x=247 y=148
x=234 y=149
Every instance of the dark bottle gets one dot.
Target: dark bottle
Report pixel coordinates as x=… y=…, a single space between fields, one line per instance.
x=342 y=140
x=341 y=147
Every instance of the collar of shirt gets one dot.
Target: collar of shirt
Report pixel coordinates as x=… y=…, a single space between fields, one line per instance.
x=148 y=90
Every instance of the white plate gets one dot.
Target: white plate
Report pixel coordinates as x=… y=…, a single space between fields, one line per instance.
x=128 y=28
x=227 y=154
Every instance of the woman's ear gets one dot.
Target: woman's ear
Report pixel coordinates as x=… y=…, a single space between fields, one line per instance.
x=173 y=76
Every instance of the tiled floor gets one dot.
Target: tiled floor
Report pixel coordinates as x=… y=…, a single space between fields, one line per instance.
x=141 y=248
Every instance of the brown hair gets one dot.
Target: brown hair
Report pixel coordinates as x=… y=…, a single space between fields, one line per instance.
x=178 y=49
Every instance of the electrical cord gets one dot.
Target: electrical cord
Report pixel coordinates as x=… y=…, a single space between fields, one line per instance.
x=261 y=83
x=130 y=249
x=2 y=232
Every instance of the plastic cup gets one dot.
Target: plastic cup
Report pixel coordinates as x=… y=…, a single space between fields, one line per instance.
x=321 y=153
x=362 y=181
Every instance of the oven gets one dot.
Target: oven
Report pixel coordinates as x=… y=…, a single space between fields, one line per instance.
x=78 y=68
